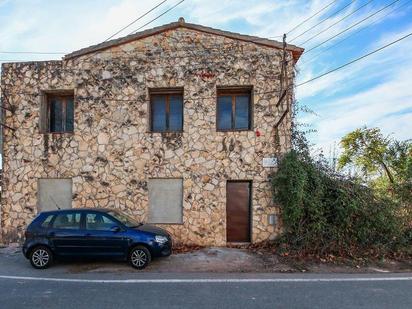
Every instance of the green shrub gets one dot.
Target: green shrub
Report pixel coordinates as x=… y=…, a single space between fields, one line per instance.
x=325 y=212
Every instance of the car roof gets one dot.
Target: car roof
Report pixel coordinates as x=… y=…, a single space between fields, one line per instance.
x=89 y=209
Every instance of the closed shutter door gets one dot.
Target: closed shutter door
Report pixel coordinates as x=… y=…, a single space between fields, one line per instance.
x=54 y=193
x=238 y=211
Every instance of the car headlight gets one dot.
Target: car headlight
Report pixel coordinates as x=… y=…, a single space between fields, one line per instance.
x=161 y=239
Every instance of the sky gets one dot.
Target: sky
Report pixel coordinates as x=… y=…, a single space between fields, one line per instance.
x=374 y=92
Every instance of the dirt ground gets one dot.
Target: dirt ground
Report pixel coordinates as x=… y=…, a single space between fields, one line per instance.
x=223 y=260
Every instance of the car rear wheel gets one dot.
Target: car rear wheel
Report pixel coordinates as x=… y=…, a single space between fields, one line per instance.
x=41 y=257
x=139 y=257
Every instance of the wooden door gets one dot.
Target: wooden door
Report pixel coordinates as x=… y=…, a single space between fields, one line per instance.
x=238 y=211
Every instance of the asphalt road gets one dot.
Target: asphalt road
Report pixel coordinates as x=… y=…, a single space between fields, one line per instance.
x=208 y=291
x=117 y=285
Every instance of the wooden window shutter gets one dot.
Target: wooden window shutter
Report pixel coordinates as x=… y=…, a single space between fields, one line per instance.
x=43 y=114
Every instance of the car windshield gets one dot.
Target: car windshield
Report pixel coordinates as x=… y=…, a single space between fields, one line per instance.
x=123 y=218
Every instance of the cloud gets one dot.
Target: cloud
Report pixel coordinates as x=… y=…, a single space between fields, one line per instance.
x=68 y=26
x=387 y=105
x=77 y=24
x=221 y=12
x=378 y=104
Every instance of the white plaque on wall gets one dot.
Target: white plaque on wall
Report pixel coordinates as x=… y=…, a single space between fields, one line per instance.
x=269 y=162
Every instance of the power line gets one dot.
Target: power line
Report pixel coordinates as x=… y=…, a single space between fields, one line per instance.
x=165 y=12
x=307 y=81
x=217 y=46
x=89 y=56
x=259 y=41
x=322 y=21
x=256 y=41
x=354 y=33
x=213 y=54
x=15 y=60
x=340 y=20
x=309 y=18
x=32 y=52
x=62 y=53
x=354 y=25
x=355 y=60
x=134 y=21
x=213 y=49
x=272 y=91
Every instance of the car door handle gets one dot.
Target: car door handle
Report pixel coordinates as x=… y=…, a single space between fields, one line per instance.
x=87 y=234
x=52 y=234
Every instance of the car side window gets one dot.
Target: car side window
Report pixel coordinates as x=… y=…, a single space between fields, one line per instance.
x=46 y=221
x=67 y=221
x=99 y=222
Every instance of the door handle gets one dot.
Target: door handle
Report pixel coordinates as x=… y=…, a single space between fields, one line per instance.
x=88 y=235
x=52 y=234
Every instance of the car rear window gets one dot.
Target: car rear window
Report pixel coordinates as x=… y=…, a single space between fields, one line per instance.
x=47 y=221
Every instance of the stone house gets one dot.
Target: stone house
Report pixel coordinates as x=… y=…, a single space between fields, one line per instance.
x=177 y=125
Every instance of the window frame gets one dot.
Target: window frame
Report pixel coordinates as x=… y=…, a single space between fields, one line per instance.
x=64 y=98
x=233 y=92
x=44 y=112
x=167 y=92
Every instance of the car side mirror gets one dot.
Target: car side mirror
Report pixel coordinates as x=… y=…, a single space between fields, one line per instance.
x=115 y=229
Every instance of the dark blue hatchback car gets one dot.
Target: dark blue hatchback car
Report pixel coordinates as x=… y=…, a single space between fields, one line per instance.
x=92 y=232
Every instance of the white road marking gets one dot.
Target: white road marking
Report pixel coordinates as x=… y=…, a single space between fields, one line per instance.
x=228 y=280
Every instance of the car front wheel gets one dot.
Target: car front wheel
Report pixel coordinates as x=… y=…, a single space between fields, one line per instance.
x=41 y=257
x=140 y=257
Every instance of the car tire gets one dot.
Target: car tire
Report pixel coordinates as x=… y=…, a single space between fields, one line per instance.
x=139 y=257
x=41 y=257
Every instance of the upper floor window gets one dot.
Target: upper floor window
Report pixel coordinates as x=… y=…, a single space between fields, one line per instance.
x=233 y=109
x=57 y=113
x=166 y=110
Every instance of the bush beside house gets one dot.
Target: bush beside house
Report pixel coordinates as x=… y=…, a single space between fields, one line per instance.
x=324 y=212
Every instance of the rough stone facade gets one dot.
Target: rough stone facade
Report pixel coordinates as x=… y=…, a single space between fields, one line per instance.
x=112 y=153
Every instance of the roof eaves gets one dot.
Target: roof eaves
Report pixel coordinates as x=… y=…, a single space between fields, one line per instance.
x=296 y=51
